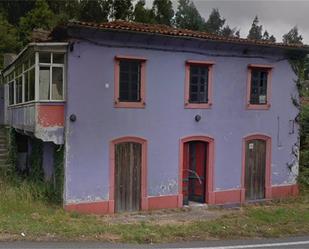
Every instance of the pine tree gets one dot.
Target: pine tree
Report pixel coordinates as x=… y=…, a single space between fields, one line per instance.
x=255 y=33
x=94 y=10
x=163 y=11
x=188 y=17
x=267 y=37
x=39 y=17
x=229 y=32
x=8 y=39
x=65 y=9
x=14 y=10
x=141 y=14
x=214 y=23
x=121 y=9
x=292 y=37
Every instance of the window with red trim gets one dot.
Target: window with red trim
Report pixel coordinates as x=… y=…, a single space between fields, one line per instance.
x=259 y=80
x=258 y=93
x=198 y=85
x=130 y=82
x=198 y=89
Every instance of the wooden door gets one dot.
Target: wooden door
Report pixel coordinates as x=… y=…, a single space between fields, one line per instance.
x=255 y=166
x=128 y=176
x=194 y=173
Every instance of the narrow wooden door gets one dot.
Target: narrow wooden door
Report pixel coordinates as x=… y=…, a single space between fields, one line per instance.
x=255 y=166
x=128 y=176
x=194 y=174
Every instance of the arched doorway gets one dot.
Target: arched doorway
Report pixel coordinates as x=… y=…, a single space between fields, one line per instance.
x=128 y=174
x=256 y=176
x=196 y=169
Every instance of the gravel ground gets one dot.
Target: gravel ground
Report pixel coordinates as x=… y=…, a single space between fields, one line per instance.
x=171 y=216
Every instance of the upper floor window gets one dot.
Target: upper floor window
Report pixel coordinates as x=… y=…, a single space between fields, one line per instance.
x=51 y=77
x=258 y=95
x=29 y=79
x=130 y=82
x=22 y=79
x=198 y=85
x=11 y=85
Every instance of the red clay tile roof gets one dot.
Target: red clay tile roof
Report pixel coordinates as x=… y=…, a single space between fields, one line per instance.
x=170 y=31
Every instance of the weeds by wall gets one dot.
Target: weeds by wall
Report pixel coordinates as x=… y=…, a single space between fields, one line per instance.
x=33 y=177
x=300 y=65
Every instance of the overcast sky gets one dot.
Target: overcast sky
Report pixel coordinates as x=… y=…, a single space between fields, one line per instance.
x=277 y=17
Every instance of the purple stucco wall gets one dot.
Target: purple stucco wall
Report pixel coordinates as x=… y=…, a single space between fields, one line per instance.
x=90 y=96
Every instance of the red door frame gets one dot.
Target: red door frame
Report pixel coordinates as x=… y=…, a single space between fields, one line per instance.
x=209 y=181
x=267 y=139
x=143 y=142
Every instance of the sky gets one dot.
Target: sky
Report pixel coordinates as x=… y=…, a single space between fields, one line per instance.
x=277 y=17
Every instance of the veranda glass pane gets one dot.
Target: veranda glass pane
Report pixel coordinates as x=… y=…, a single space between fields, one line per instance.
x=57 y=83
x=11 y=93
x=44 y=58
x=26 y=90
x=19 y=88
x=58 y=58
x=31 y=85
x=44 y=81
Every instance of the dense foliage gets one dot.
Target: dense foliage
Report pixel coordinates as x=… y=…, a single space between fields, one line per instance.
x=19 y=18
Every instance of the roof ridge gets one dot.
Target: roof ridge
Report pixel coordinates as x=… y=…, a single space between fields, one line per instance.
x=173 y=31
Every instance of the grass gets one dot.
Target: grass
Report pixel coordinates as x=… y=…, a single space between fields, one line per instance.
x=22 y=210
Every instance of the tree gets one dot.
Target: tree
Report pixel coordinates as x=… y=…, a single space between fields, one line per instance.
x=121 y=9
x=188 y=17
x=267 y=37
x=229 y=32
x=65 y=9
x=214 y=23
x=39 y=17
x=292 y=37
x=14 y=10
x=163 y=11
x=8 y=39
x=94 y=10
x=141 y=14
x=255 y=33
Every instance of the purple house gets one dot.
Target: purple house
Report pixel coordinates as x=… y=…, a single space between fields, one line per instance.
x=155 y=117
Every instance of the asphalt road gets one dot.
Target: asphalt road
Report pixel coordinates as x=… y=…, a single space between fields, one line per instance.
x=288 y=243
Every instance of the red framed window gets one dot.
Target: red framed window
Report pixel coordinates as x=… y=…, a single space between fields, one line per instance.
x=198 y=84
x=259 y=86
x=129 y=82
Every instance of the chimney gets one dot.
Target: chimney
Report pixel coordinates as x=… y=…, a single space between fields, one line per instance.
x=8 y=58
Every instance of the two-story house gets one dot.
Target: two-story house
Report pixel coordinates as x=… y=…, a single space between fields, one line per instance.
x=156 y=117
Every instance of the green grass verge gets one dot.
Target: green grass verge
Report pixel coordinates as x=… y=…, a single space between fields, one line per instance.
x=22 y=211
